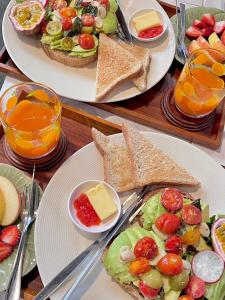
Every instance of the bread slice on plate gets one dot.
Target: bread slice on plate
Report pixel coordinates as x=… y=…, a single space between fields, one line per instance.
x=64 y=58
x=117 y=167
x=151 y=165
x=115 y=65
x=144 y=55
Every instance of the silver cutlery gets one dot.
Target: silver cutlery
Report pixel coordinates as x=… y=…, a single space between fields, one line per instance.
x=123 y=31
x=30 y=206
x=115 y=230
x=181 y=31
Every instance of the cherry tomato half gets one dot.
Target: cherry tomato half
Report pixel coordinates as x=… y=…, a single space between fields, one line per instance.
x=69 y=12
x=174 y=245
x=191 y=214
x=196 y=287
x=66 y=23
x=147 y=291
x=104 y=2
x=191 y=236
x=86 y=41
x=172 y=199
x=88 y=20
x=146 y=247
x=168 y=223
x=186 y=297
x=139 y=266
x=170 y=264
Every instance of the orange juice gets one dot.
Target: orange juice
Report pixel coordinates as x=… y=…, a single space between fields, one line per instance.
x=201 y=87
x=31 y=120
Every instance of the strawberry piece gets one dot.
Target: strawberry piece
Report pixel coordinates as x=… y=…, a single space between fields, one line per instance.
x=10 y=235
x=207 y=31
x=199 y=24
x=219 y=27
x=5 y=251
x=209 y=20
x=193 y=32
x=223 y=38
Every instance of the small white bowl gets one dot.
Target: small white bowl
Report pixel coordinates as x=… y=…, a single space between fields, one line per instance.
x=141 y=12
x=84 y=187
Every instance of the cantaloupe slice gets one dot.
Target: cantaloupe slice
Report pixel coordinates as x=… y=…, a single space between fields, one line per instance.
x=12 y=202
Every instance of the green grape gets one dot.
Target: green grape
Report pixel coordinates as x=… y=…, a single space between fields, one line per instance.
x=153 y=279
x=179 y=282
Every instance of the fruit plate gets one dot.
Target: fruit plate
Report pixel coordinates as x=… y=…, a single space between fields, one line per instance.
x=19 y=179
x=196 y=13
x=79 y=84
x=57 y=241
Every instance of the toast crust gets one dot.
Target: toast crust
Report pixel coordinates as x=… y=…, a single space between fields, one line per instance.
x=64 y=58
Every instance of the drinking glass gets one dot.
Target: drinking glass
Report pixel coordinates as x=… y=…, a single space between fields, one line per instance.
x=200 y=87
x=31 y=118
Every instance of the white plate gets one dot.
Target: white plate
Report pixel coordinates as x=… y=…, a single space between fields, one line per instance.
x=57 y=241
x=79 y=84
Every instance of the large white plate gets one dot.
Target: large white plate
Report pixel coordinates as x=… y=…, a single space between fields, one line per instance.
x=79 y=84
x=57 y=241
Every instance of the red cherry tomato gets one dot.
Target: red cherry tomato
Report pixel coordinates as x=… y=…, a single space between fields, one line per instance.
x=170 y=264
x=86 y=41
x=168 y=223
x=88 y=20
x=196 y=287
x=139 y=266
x=147 y=291
x=146 y=247
x=191 y=214
x=66 y=23
x=174 y=245
x=186 y=297
x=69 y=12
x=104 y=2
x=172 y=199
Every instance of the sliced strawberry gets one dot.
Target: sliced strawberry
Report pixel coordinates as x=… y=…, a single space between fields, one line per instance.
x=5 y=251
x=207 y=31
x=193 y=32
x=219 y=27
x=223 y=38
x=209 y=20
x=10 y=235
x=199 y=24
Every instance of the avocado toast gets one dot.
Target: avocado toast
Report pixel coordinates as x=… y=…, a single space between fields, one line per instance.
x=140 y=258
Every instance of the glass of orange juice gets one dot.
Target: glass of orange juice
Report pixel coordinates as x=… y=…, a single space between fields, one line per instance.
x=31 y=117
x=201 y=85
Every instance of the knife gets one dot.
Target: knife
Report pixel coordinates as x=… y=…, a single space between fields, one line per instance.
x=98 y=254
x=123 y=24
x=70 y=269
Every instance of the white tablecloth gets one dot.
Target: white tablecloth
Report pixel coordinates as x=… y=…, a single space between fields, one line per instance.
x=218 y=155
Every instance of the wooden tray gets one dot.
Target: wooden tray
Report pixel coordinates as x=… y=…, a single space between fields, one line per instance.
x=146 y=108
x=77 y=128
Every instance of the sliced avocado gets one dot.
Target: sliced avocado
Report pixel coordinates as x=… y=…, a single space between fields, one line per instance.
x=172 y=295
x=166 y=284
x=48 y=39
x=109 y=23
x=113 y=6
x=87 y=29
x=82 y=54
x=216 y=291
x=205 y=211
x=202 y=245
x=152 y=210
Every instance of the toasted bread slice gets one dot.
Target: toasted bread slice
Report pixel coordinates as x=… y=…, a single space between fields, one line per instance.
x=117 y=167
x=151 y=165
x=115 y=65
x=144 y=55
x=64 y=58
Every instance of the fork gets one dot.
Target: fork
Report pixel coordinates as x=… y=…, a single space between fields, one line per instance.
x=180 y=28
x=31 y=203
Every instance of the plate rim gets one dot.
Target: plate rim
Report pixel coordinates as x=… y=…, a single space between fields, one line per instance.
x=65 y=95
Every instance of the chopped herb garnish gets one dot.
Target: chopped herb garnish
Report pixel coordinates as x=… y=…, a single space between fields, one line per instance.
x=197 y=203
x=92 y=10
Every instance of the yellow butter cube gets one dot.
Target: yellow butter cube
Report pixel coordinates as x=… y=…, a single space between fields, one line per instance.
x=146 y=21
x=101 y=201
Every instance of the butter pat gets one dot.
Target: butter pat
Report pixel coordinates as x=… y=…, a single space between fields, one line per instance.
x=146 y=21
x=101 y=201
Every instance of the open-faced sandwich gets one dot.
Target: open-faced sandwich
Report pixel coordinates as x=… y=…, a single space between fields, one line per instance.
x=167 y=252
x=69 y=29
